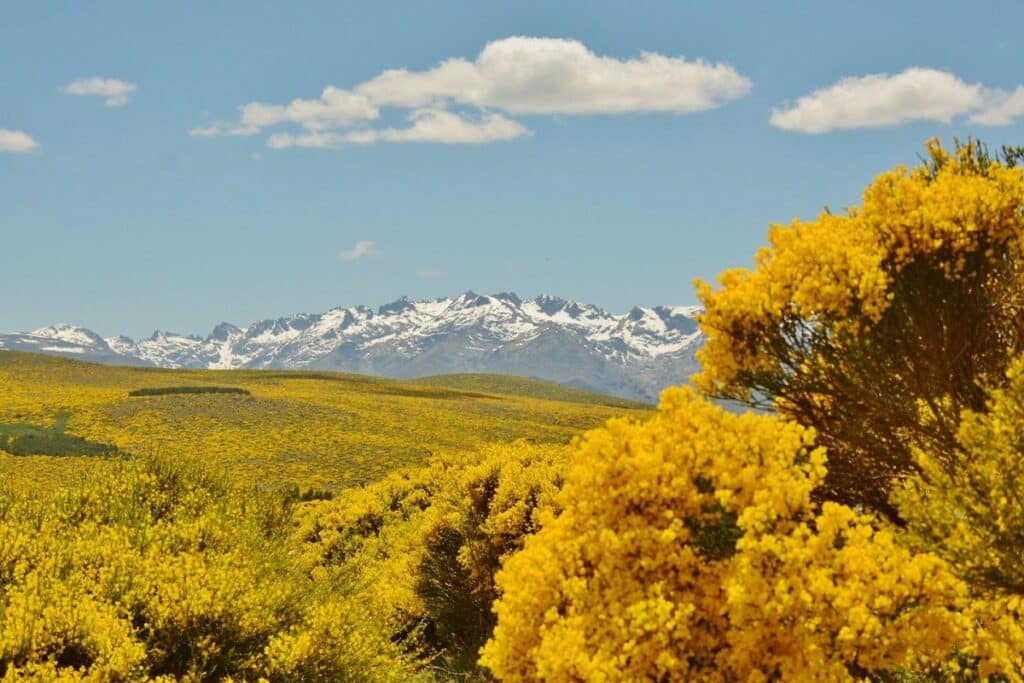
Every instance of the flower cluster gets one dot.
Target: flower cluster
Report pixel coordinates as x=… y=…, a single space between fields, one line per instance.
x=841 y=269
x=158 y=570
x=426 y=542
x=875 y=327
x=689 y=548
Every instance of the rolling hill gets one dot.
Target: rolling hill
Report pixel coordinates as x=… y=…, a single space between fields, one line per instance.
x=315 y=429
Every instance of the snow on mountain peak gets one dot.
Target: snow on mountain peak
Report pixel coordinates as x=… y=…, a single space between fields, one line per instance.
x=120 y=344
x=223 y=332
x=397 y=306
x=509 y=297
x=71 y=334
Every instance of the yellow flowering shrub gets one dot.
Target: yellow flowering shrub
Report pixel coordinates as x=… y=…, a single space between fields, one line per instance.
x=967 y=505
x=855 y=323
x=157 y=569
x=426 y=542
x=689 y=549
x=490 y=505
x=999 y=646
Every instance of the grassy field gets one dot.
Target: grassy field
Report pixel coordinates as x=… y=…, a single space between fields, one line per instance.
x=60 y=418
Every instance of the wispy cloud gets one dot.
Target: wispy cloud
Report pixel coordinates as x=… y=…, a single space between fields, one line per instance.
x=362 y=249
x=427 y=125
x=221 y=129
x=457 y=102
x=884 y=100
x=16 y=141
x=335 y=108
x=1002 y=110
x=114 y=90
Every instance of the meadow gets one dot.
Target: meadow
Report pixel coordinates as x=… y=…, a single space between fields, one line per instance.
x=315 y=430
x=262 y=525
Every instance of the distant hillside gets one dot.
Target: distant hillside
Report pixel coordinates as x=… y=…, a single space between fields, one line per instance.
x=633 y=355
x=513 y=385
x=60 y=418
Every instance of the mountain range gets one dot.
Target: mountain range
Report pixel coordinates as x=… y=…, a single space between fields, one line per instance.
x=633 y=355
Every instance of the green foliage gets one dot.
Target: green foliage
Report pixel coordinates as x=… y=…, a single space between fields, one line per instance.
x=975 y=157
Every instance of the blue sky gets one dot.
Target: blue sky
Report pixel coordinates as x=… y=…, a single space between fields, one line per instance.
x=577 y=167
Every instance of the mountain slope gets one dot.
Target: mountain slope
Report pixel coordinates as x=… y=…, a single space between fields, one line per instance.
x=633 y=355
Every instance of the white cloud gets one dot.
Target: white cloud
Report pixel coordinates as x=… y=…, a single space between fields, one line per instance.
x=518 y=75
x=880 y=100
x=428 y=125
x=883 y=100
x=523 y=75
x=438 y=125
x=114 y=90
x=335 y=108
x=16 y=141
x=1003 y=108
x=362 y=249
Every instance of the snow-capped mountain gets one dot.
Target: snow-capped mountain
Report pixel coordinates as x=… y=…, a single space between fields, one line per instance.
x=633 y=355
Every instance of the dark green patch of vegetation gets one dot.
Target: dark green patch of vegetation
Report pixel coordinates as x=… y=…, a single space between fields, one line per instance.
x=166 y=391
x=29 y=439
